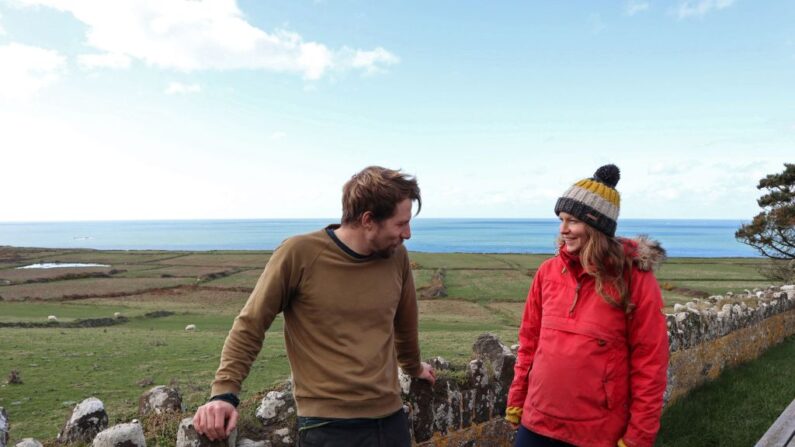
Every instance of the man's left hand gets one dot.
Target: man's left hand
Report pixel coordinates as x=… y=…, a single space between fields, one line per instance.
x=427 y=373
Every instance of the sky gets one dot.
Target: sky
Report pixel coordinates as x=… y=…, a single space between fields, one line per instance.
x=223 y=109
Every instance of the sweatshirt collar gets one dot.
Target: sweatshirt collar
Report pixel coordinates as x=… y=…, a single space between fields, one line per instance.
x=330 y=231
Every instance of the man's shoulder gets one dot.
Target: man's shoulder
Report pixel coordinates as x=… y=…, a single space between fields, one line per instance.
x=308 y=243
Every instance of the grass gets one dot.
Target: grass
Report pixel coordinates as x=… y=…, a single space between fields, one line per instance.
x=177 y=271
x=62 y=367
x=245 y=278
x=115 y=257
x=59 y=366
x=88 y=287
x=248 y=259
x=458 y=261
x=714 y=270
x=25 y=311
x=192 y=300
x=422 y=277
x=738 y=407
x=21 y=275
x=488 y=285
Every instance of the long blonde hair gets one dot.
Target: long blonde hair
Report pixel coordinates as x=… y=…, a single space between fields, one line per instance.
x=603 y=257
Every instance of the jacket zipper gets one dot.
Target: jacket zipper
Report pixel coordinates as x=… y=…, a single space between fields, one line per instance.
x=576 y=297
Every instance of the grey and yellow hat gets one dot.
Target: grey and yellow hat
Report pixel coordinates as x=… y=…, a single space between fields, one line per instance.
x=594 y=200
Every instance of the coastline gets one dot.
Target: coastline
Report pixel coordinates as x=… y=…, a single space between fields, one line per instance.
x=268 y=251
x=681 y=238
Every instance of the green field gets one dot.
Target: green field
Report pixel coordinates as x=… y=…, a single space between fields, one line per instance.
x=60 y=366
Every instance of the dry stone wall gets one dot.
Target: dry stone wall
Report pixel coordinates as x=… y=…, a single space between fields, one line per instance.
x=708 y=335
x=465 y=406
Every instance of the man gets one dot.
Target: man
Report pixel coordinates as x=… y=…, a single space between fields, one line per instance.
x=350 y=318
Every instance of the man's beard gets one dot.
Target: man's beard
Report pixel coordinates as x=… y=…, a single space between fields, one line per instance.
x=386 y=252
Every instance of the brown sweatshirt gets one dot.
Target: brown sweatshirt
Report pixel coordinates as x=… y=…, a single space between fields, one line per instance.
x=348 y=321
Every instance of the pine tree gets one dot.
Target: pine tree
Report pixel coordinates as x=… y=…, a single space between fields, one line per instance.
x=772 y=231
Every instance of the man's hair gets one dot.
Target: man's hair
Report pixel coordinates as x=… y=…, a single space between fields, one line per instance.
x=377 y=190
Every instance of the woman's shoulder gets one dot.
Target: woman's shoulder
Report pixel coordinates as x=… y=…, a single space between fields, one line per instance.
x=553 y=260
x=551 y=264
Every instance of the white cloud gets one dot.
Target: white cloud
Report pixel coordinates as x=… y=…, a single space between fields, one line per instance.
x=696 y=188
x=698 y=8
x=370 y=60
x=178 y=88
x=107 y=60
x=206 y=35
x=27 y=70
x=2 y=30
x=635 y=6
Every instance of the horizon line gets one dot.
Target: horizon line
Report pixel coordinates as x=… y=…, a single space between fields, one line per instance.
x=336 y=219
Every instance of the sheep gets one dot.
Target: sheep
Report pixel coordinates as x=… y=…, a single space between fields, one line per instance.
x=116 y=314
x=190 y=327
x=52 y=318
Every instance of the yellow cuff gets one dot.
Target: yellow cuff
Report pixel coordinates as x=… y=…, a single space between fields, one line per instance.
x=621 y=443
x=513 y=414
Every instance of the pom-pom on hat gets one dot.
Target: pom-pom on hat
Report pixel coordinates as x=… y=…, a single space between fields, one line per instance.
x=594 y=200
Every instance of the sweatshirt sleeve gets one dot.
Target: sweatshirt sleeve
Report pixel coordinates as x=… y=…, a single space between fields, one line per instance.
x=528 y=341
x=270 y=296
x=406 y=323
x=648 y=362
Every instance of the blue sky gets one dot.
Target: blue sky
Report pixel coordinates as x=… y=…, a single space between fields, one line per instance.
x=257 y=109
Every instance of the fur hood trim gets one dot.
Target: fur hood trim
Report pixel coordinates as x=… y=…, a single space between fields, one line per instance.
x=647 y=254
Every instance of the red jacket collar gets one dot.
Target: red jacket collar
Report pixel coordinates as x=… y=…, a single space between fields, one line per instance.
x=570 y=261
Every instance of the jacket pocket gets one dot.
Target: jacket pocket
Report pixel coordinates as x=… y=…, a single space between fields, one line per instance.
x=568 y=379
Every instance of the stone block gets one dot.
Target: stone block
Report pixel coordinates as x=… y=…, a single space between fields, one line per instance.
x=121 y=435
x=87 y=419
x=159 y=400
x=187 y=436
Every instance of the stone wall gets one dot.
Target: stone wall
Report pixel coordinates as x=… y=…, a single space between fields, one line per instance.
x=465 y=406
x=706 y=336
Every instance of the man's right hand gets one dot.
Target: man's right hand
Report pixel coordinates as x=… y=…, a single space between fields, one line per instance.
x=215 y=419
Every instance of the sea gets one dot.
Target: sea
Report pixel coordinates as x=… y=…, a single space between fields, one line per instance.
x=680 y=237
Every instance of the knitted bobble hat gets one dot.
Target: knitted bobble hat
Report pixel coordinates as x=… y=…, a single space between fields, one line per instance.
x=594 y=200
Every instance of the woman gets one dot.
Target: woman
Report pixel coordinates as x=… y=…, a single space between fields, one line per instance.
x=593 y=343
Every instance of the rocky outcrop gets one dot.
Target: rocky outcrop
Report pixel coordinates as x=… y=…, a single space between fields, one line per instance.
x=187 y=436
x=88 y=418
x=160 y=399
x=460 y=398
x=277 y=412
x=121 y=435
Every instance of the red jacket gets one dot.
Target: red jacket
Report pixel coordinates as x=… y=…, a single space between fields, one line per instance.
x=586 y=373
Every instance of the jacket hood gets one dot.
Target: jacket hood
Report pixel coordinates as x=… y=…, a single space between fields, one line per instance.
x=647 y=254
